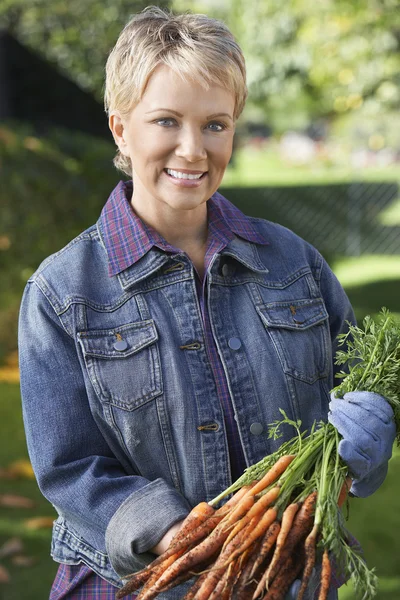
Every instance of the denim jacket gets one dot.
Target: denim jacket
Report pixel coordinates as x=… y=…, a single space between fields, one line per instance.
x=125 y=438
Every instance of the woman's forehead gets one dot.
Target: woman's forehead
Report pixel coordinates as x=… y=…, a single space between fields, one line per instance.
x=166 y=89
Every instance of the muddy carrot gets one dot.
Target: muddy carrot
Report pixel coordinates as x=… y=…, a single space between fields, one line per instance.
x=267 y=542
x=243 y=586
x=272 y=474
x=221 y=564
x=196 y=517
x=223 y=583
x=325 y=576
x=146 y=576
x=225 y=508
x=191 y=593
x=205 y=549
x=301 y=526
x=255 y=531
x=310 y=550
x=286 y=523
x=284 y=579
x=257 y=509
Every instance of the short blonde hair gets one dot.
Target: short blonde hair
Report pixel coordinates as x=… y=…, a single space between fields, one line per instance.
x=196 y=47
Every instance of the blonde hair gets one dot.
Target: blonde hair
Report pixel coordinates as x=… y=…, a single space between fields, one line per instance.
x=196 y=47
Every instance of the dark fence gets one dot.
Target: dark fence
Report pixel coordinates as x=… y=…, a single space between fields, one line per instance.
x=338 y=219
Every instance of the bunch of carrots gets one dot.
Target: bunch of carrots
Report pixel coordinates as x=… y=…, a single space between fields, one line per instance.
x=283 y=521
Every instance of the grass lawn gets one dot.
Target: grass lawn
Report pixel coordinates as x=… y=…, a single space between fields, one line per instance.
x=259 y=167
x=33 y=582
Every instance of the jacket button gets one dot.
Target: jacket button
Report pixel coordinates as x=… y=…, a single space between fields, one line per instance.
x=234 y=343
x=121 y=345
x=256 y=428
x=225 y=270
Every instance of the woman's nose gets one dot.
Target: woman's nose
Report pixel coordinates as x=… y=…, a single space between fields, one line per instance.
x=191 y=146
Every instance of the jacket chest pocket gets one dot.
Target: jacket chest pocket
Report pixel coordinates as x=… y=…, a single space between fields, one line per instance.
x=299 y=331
x=123 y=363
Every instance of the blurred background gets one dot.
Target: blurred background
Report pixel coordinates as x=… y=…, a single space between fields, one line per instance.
x=317 y=149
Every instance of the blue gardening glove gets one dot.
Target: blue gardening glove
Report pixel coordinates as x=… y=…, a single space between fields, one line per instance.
x=365 y=421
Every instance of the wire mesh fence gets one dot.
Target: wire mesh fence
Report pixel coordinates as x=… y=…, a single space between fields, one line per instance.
x=338 y=219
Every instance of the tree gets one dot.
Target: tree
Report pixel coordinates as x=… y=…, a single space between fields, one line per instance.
x=76 y=35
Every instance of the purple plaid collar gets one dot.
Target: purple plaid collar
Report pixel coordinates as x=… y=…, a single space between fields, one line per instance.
x=127 y=238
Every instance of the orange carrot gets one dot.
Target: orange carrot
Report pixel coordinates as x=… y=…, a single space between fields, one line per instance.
x=310 y=550
x=286 y=523
x=258 y=507
x=216 y=573
x=225 y=508
x=191 y=593
x=245 y=584
x=224 y=582
x=146 y=576
x=256 y=529
x=202 y=551
x=301 y=526
x=197 y=515
x=267 y=542
x=273 y=474
x=240 y=510
x=284 y=579
x=325 y=576
x=344 y=492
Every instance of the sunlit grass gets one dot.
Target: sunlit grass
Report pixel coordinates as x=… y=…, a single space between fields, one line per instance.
x=355 y=271
x=264 y=166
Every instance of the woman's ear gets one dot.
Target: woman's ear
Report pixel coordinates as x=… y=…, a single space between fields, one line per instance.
x=116 y=125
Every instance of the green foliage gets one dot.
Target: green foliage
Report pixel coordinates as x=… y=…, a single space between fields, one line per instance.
x=75 y=35
x=372 y=355
x=309 y=59
x=50 y=190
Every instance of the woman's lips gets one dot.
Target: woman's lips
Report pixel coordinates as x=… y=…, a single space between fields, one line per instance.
x=183 y=182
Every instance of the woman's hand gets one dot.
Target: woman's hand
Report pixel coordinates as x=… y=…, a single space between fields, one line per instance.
x=166 y=539
x=365 y=421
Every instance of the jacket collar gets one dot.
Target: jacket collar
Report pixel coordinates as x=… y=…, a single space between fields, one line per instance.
x=128 y=241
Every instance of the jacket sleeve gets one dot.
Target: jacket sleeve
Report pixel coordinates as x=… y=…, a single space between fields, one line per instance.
x=76 y=470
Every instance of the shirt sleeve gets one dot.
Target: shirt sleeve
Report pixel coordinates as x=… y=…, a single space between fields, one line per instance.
x=120 y=513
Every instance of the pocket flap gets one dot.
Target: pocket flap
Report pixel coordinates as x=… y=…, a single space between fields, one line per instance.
x=296 y=315
x=119 y=342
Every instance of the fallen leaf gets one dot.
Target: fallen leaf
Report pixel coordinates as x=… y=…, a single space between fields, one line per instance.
x=4 y=575
x=39 y=522
x=21 y=560
x=12 y=546
x=13 y=501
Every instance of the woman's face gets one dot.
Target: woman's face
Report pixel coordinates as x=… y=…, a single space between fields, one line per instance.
x=179 y=140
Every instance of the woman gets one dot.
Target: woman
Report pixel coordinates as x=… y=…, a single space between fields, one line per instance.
x=157 y=346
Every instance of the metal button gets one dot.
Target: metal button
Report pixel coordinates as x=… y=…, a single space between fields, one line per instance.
x=256 y=428
x=225 y=270
x=121 y=345
x=234 y=343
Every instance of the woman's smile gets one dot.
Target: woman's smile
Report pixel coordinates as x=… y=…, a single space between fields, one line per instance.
x=186 y=178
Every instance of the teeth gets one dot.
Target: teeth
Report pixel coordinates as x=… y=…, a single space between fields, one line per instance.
x=180 y=175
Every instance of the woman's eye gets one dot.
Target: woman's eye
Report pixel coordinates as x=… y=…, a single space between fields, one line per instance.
x=215 y=126
x=165 y=122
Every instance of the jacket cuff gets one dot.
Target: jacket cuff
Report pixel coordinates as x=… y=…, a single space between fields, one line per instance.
x=139 y=524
